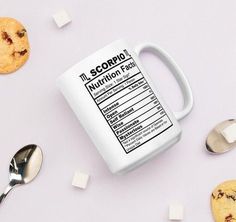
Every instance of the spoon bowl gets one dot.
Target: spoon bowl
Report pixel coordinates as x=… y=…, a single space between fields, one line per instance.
x=24 y=167
x=215 y=142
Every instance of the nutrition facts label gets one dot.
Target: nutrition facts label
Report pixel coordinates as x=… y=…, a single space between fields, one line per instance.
x=128 y=104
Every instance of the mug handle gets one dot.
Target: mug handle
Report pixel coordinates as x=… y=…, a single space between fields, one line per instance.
x=176 y=71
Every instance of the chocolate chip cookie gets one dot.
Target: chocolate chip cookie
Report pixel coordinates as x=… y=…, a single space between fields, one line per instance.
x=223 y=202
x=14 y=45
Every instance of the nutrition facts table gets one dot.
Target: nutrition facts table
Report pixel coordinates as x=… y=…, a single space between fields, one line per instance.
x=128 y=104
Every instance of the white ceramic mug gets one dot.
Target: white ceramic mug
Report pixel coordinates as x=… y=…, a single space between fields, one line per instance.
x=119 y=107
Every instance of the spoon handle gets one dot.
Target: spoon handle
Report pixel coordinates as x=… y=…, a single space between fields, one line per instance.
x=7 y=190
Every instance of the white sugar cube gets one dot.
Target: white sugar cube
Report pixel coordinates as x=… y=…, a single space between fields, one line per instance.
x=80 y=180
x=61 y=18
x=229 y=133
x=176 y=212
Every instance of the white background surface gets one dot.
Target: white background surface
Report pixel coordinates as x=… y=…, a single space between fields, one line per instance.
x=200 y=35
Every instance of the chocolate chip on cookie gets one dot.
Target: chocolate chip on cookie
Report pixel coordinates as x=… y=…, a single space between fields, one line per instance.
x=229 y=218
x=6 y=37
x=21 y=33
x=14 y=45
x=21 y=53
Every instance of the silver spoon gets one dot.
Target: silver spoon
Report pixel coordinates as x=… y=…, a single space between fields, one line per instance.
x=24 y=167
